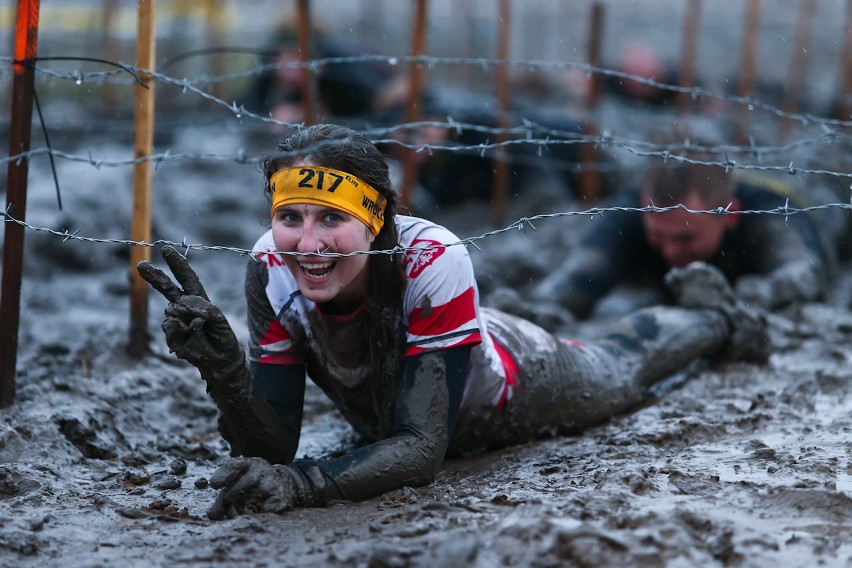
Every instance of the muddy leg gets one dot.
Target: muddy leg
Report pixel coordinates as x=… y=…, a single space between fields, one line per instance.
x=567 y=387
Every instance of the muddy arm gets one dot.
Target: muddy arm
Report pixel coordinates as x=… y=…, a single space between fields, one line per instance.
x=791 y=269
x=266 y=422
x=605 y=255
x=426 y=408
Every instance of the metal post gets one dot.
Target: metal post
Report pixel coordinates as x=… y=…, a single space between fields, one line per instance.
x=140 y=227
x=23 y=86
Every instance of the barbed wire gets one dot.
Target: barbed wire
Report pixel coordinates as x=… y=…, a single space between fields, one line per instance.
x=529 y=133
x=661 y=151
x=519 y=225
x=695 y=92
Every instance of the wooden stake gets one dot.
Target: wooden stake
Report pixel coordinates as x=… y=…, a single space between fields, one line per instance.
x=844 y=107
x=589 y=179
x=689 y=44
x=20 y=128
x=215 y=37
x=500 y=183
x=593 y=51
x=412 y=107
x=748 y=60
x=140 y=227
x=798 y=65
x=309 y=96
x=109 y=50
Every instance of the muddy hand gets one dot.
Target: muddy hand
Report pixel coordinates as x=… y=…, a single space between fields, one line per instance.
x=183 y=272
x=251 y=485
x=196 y=330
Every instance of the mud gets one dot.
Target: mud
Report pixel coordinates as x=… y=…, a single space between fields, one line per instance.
x=104 y=459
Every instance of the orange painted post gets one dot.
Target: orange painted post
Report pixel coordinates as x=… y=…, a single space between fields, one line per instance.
x=686 y=74
x=309 y=92
x=589 y=179
x=500 y=183
x=140 y=226
x=412 y=107
x=798 y=65
x=844 y=107
x=20 y=128
x=748 y=61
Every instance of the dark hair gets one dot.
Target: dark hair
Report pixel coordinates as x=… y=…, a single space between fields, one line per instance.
x=338 y=147
x=675 y=181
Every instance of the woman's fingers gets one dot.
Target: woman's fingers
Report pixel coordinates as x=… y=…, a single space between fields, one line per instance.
x=184 y=273
x=159 y=281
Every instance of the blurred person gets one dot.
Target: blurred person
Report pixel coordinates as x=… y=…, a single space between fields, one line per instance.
x=344 y=90
x=772 y=260
x=462 y=171
x=400 y=343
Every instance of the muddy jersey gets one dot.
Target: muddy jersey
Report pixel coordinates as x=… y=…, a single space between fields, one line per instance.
x=441 y=311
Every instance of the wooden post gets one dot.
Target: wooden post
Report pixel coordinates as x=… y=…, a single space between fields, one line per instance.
x=798 y=65
x=412 y=107
x=748 y=60
x=140 y=227
x=309 y=92
x=215 y=37
x=593 y=52
x=109 y=50
x=500 y=183
x=590 y=182
x=20 y=128
x=686 y=74
x=844 y=106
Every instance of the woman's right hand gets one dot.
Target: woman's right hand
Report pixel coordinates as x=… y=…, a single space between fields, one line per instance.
x=195 y=329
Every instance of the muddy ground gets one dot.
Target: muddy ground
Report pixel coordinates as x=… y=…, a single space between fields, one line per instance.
x=104 y=458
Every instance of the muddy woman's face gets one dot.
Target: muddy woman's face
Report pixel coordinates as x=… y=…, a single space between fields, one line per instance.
x=308 y=228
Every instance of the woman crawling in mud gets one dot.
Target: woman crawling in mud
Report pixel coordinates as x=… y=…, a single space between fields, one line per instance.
x=398 y=340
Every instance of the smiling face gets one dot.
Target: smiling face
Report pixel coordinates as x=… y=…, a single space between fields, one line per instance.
x=306 y=228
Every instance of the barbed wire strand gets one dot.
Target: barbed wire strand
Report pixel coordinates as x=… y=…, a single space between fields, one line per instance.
x=520 y=225
x=695 y=92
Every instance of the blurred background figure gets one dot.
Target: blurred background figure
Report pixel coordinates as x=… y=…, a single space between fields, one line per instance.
x=458 y=166
x=773 y=260
x=344 y=90
x=640 y=59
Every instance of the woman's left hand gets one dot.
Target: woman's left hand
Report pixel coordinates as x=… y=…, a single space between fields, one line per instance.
x=251 y=485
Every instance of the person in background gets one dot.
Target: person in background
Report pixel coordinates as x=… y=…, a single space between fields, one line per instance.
x=344 y=90
x=400 y=343
x=772 y=260
x=457 y=164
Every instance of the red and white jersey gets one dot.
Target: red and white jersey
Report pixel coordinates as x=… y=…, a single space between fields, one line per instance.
x=441 y=310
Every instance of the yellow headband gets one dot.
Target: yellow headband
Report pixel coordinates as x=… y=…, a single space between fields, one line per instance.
x=325 y=186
